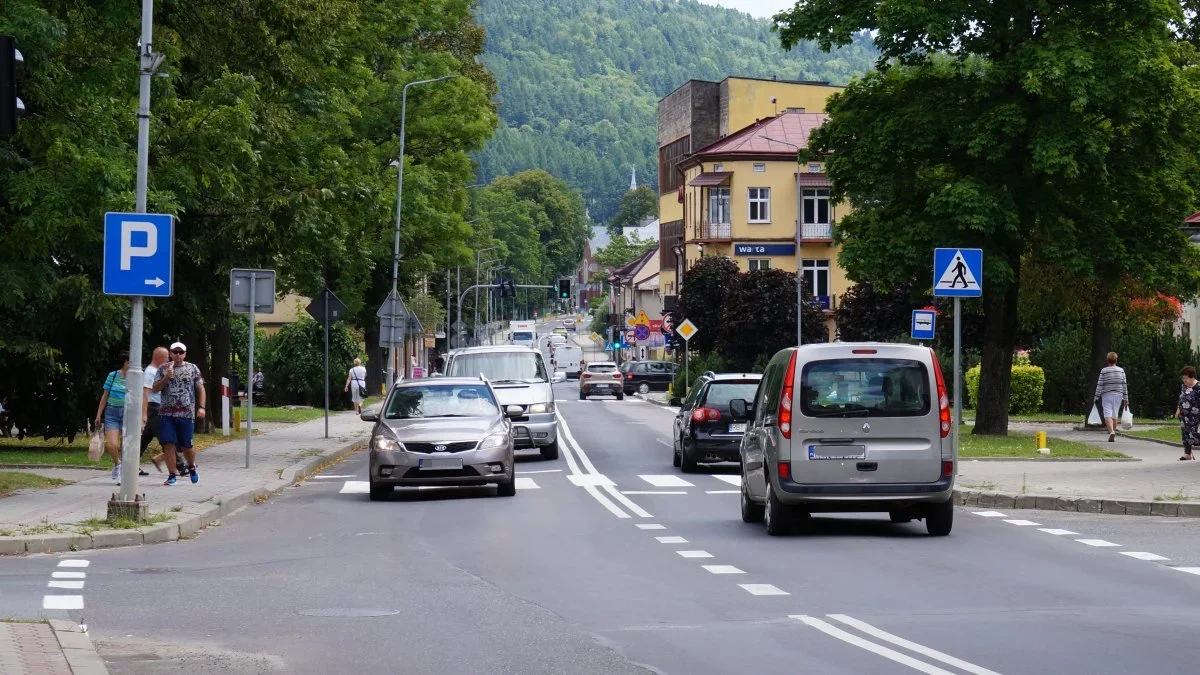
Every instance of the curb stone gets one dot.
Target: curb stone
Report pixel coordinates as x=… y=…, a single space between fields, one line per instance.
x=1126 y=434
x=186 y=524
x=1124 y=507
x=78 y=649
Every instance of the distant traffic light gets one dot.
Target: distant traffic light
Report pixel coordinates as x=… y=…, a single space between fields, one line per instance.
x=11 y=107
x=564 y=289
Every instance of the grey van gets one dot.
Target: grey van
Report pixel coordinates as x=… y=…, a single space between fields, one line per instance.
x=848 y=427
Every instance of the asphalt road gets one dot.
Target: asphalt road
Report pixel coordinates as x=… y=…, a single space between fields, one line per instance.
x=608 y=560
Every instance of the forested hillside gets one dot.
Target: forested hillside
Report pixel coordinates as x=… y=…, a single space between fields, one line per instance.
x=580 y=79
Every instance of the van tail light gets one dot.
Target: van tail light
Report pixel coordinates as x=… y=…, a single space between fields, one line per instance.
x=943 y=399
x=947 y=468
x=785 y=470
x=785 y=399
x=702 y=414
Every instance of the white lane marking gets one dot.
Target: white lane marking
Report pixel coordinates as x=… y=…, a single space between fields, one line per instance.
x=1056 y=531
x=355 y=487
x=722 y=569
x=722 y=492
x=74 y=562
x=1189 y=570
x=651 y=526
x=669 y=445
x=540 y=471
x=912 y=646
x=671 y=540
x=732 y=480
x=1096 y=542
x=68 y=575
x=527 y=484
x=62 y=602
x=763 y=589
x=561 y=400
x=905 y=659
x=665 y=480
x=586 y=461
x=573 y=466
x=694 y=554
x=589 y=480
x=1143 y=555
x=349 y=475
x=990 y=514
x=654 y=492
x=76 y=585
x=1022 y=523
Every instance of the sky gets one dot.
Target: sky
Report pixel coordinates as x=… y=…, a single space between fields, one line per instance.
x=760 y=8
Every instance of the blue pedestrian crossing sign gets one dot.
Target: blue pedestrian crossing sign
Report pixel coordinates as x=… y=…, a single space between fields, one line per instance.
x=924 y=324
x=958 y=272
x=139 y=254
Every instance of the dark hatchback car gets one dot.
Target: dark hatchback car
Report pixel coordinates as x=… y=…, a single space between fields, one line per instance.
x=704 y=430
x=646 y=376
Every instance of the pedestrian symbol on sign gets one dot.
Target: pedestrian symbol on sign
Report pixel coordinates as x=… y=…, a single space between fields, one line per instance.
x=958 y=272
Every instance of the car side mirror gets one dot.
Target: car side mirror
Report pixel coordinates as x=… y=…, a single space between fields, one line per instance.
x=739 y=409
x=369 y=416
x=513 y=411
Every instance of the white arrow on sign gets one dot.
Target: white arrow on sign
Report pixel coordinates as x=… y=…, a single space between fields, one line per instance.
x=155 y=282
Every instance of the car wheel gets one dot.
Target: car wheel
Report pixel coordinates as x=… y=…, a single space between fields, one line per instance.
x=776 y=515
x=380 y=492
x=582 y=396
x=675 y=456
x=751 y=511
x=508 y=489
x=620 y=397
x=643 y=388
x=687 y=464
x=550 y=451
x=899 y=517
x=940 y=518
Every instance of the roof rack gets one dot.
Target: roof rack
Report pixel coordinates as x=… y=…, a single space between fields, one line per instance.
x=709 y=373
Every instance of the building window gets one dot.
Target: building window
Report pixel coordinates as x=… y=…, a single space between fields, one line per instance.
x=760 y=167
x=816 y=275
x=759 y=264
x=718 y=167
x=718 y=205
x=814 y=167
x=760 y=205
x=670 y=155
x=816 y=206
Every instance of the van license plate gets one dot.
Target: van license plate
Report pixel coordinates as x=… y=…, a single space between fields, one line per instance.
x=837 y=451
x=738 y=428
x=439 y=463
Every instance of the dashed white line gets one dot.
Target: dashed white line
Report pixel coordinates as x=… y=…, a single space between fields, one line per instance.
x=990 y=514
x=1143 y=555
x=349 y=475
x=1099 y=543
x=526 y=484
x=694 y=554
x=912 y=646
x=590 y=479
x=76 y=585
x=1189 y=570
x=722 y=492
x=62 y=602
x=763 y=589
x=1056 y=531
x=68 y=575
x=651 y=526
x=844 y=636
x=671 y=540
x=74 y=562
x=732 y=480
x=722 y=569
x=1022 y=523
x=654 y=492
x=666 y=480
x=521 y=473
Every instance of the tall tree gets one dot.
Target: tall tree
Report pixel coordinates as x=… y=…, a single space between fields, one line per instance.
x=621 y=250
x=636 y=205
x=701 y=296
x=973 y=133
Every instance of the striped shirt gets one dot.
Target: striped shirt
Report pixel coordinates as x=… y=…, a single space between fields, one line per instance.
x=1112 y=381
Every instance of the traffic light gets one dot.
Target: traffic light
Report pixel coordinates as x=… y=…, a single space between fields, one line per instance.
x=508 y=289
x=564 y=289
x=11 y=107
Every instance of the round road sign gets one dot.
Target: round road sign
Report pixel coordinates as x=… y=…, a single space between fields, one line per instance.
x=668 y=324
x=641 y=332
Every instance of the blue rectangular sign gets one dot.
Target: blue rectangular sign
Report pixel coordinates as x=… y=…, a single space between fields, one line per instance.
x=924 y=324
x=139 y=254
x=764 y=249
x=958 y=272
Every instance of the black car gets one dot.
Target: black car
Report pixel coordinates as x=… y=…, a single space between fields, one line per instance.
x=646 y=376
x=704 y=430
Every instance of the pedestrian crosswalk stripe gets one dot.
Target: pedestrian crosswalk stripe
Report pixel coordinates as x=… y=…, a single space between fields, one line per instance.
x=355 y=487
x=526 y=484
x=665 y=480
x=62 y=602
x=74 y=562
x=732 y=480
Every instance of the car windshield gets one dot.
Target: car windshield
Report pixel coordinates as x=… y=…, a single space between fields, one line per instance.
x=500 y=367
x=462 y=400
x=522 y=335
x=865 y=388
x=721 y=393
x=602 y=368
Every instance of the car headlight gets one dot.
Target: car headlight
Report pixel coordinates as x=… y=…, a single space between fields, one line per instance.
x=494 y=441
x=541 y=408
x=386 y=443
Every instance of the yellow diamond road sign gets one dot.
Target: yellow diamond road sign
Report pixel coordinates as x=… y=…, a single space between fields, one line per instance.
x=595 y=337
x=687 y=329
x=631 y=322
x=642 y=319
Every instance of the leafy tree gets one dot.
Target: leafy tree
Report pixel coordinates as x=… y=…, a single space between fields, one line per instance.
x=701 y=297
x=1005 y=149
x=636 y=205
x=558 y=214
x=294 y=364
x=758 y=317
x=622 y=249
x=867 y=313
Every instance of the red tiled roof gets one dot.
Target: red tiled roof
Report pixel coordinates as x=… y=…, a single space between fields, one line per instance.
x=792 y=127
x=1193 y=219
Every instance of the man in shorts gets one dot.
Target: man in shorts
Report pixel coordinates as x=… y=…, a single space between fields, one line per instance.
x=183 y=399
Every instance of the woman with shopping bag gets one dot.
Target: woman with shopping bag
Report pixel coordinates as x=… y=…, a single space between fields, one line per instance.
x=110 y=414
x=1188 y=412
x=1112 y=389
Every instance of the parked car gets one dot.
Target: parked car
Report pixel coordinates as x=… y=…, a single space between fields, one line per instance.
x=646 y=376
x=848 y=427
x=446 y=431
x=601 y=377
x=704 y=432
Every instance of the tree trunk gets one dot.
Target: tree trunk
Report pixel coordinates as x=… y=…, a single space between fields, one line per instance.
x=995 y=385
x=221 y=367
x=376 y=359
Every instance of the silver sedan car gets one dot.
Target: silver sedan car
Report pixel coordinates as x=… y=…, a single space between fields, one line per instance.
x=441 y=431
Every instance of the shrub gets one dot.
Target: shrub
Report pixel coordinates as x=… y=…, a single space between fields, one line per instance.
x=1026 y=395
x=697 y=365
x=1064 y=358
x=294 y=364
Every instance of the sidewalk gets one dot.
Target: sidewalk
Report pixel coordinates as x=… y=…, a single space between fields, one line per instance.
x=47 y=648
x=51 y=521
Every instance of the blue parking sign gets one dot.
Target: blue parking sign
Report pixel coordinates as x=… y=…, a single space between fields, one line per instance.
x=139 y=254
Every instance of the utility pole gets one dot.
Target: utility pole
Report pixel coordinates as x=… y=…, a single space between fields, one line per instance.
x=799 y=240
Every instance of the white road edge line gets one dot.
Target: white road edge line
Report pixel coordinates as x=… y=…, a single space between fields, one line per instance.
x=574 y=467
x=1189 y=570
x=905 y=659
x=565 y=432
x=912 y=646
x=322 y=476
x=669 y=445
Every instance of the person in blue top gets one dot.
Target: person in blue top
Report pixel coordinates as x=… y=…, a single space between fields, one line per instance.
x=111 y=412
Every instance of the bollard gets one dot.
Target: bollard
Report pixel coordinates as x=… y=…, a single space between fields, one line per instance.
x=237 y=421
x=1040 y=441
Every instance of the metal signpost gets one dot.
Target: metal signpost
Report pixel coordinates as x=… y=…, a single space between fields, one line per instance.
x=251 y=291
x=924 y=323
x=686 y=330
x=957 y=273
x=392 y=315
x=326 y=309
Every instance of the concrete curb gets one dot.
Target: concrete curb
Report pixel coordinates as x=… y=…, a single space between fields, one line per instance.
x=186 y=523
x=1126 y=434
x=77 y=647
x=655 y=402
x=1048 y=459
x=4 y=467
x=1120 y=507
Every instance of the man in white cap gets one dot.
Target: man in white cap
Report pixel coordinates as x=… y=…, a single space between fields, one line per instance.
x=183 y=399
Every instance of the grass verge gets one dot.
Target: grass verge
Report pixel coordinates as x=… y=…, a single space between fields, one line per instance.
x=281 y=414
x=11 y=481
x=59 y=451
x=1021 y=445
x=1170 y=434
x=123 y=523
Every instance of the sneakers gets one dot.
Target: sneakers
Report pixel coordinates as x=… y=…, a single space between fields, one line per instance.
x=170 y=480
x=143 y=472
x=195 y=475
x=116 y=472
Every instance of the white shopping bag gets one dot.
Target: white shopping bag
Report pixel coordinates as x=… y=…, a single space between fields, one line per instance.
x=1127 y=419
x=1094 y=417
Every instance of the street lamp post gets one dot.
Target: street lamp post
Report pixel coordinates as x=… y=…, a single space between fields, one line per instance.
x=391 y=369
x=478 y=262
x=799 y=256
x=491 y=270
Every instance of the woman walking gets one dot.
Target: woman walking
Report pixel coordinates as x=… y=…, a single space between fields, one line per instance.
x=356 y=384
x=111 y=413
x=1188 y=412
x=1112 y=389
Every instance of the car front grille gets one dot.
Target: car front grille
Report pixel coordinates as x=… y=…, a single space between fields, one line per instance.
x=430 y=448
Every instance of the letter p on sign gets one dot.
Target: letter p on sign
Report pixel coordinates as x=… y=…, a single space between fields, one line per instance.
x=128 y=250
x=139 y=253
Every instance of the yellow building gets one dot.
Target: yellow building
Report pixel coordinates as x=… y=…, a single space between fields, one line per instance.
x=698 y=114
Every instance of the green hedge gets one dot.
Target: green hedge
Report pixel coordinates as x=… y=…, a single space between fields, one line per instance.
x=697 y=364
x=1025 y=398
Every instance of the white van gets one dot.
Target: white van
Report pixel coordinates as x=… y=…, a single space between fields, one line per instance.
x=567 y=360
x=523 y=333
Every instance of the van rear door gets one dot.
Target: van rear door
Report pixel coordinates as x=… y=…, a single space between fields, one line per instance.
x=868 y=417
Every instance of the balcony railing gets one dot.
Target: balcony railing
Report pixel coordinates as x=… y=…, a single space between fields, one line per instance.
x=713 y=231
x=817 y=231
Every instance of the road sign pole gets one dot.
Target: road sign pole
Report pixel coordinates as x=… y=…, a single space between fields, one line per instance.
x=957 y=369
x=250 y=371
x=327 y=302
